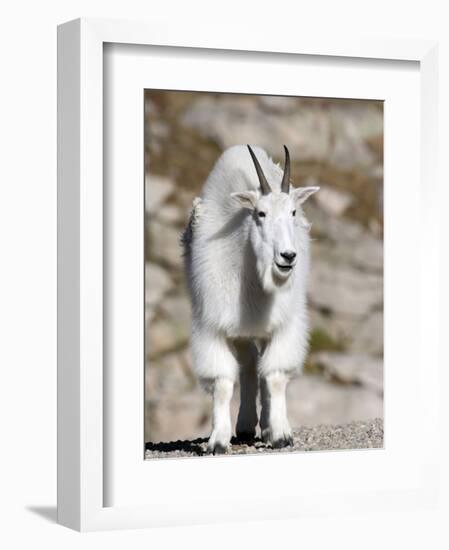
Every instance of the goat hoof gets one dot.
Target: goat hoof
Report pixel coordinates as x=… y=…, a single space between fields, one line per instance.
x=266 y=435
x=282 y=442
x=219 y=449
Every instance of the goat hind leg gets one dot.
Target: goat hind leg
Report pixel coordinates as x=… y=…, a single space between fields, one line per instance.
x=247 y=417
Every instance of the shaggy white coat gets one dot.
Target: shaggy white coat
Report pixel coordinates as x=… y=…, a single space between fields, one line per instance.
x=249 y=315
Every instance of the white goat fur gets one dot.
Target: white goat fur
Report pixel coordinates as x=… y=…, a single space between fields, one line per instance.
x=249 y=320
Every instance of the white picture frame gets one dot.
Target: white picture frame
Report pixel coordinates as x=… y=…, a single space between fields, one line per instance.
x=82 y=491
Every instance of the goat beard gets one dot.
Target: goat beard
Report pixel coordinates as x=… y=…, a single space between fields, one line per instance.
x=269 y=279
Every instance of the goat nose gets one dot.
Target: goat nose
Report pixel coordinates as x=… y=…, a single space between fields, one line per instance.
x=289 y=255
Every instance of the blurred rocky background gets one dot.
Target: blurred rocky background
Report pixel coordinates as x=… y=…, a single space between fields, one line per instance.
x=336 y=144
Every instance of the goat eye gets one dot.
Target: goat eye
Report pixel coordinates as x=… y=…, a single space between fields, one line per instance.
x=294 y=213
x=261 y=214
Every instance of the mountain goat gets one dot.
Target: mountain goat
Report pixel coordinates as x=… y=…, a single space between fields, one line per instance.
x=246 y=251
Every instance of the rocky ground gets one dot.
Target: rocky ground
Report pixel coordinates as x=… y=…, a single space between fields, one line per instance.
x=333 y=143
x=356 y=435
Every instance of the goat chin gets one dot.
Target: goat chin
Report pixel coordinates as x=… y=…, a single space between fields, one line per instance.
x=274 y=281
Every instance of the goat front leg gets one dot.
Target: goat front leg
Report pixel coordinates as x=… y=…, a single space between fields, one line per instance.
x=274 y=423
x=221 y=417
x=216 y=367
x=281 y=357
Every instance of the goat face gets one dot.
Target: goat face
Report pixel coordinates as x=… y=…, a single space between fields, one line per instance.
x=273 y=231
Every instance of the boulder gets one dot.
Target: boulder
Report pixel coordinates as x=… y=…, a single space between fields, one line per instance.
x=353 y=125
x=338 y=288
x=337 y=135
x=163 y=245
x=157 y=191
x=360 y=369
x=333 y=201
x=313 y=400
x=177 y=310
x=278 y=104
x=163 y=337
x=344 y=241
x=368 y=335
x=171 y=214
x=157 y=284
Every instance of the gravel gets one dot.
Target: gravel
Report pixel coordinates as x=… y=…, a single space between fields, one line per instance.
x=356 y=435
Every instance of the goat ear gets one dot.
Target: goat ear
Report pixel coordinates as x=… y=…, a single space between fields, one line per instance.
x=301 y=194
x=246 y=199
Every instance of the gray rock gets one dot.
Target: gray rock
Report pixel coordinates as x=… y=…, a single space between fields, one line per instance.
x=170 y=332
x=157 y=191
x=352 y=368
x=159 y=129
x=344 y=241
x=339 y=288
x=222 y=119
x=157 y=284
x=377 y=172
x=171 y=214
x=313 y=400
x=176 y=407
x=376 y=228
x=177 y=417
x=230 y=121
x=169 y=376
x=352 y=124
x=337 y=135
x=177 y=310
x=355 y=334
x=333 y=201
x=339 y=327
x=164 y=245
x=278 y=104
x=150 y=107
x=368 y=335
x=164 y=336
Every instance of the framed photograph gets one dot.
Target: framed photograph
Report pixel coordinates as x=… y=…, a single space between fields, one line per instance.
x=306 y=273
x=243 y=283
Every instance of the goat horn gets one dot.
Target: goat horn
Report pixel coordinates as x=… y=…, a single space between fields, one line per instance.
x=265 y=187
x=285 y=185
